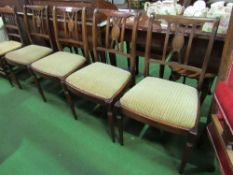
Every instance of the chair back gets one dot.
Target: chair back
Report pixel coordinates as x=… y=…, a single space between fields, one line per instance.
x=180 y=36
x=70 y=27
x=36 y=20
x=11 y=23
x=110 y=37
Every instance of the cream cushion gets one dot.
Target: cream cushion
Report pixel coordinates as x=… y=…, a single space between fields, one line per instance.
x=99 y=79
x=59 y=64
x=28 y=54
x=163 y=101
x=7 y=46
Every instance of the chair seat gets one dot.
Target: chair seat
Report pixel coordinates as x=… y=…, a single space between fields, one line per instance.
x=28 y=54
x=7 y=46
x=98 y=79
x=59 y=64
x=163 y=101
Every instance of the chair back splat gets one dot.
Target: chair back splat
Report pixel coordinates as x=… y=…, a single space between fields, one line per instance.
x=70 y=28
x=36 y=20
x=180 y=34
x=11 y=23
x=114 y=35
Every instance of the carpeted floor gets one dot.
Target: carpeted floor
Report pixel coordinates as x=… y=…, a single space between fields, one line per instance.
x=40 y=138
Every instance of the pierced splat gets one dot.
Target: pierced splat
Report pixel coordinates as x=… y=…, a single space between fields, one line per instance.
x=178 y=42
x=70 y=24
x=38 y=23
x=116 y=32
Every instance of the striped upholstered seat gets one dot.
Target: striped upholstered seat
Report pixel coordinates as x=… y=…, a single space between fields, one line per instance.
x=98 y=79
x=59 y=64
x=7 y=46
x=164 y=101
x=28 y=54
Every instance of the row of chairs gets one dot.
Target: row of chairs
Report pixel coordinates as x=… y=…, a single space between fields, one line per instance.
x=164 y=104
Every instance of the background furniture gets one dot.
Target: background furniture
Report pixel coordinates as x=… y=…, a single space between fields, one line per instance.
x=220 y=129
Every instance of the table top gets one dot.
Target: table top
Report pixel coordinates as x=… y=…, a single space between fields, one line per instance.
x=144 y=21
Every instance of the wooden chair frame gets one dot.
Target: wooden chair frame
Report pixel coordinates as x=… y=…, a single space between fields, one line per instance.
x=98 y=47
x=11 y=24
x=177 y=45
x=181 y=27
x=70 y=17
x=38 y=14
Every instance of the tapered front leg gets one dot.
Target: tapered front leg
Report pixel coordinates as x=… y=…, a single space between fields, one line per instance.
x=38 y=85
x=7 y=74
x=11 y=72
x=119 y=122
x=188 y=150
x=69 y=99
x=111 y=122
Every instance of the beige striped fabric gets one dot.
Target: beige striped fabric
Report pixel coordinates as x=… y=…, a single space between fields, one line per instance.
x=164 y=101
x=99 y=79
x=7 y=46
x=28 y=54
x=59 y=64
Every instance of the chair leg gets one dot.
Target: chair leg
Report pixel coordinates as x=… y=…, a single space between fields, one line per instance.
x=11 y=72
x=4 y=67
x=206 y=89
x=112 y=59
x=37 y=82
x=119 y=123
x=188 y=150
x=69 y=100
x=111 y=122
x=120 y=128
x=161 y=71
x=137 y=65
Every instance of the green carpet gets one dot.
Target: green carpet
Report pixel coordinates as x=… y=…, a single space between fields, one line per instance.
x=40 y=138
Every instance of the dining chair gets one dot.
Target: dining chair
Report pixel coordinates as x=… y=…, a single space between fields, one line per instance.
x=164 y=104
x=69 y=25
x=37 y=28
x=11 y=25
x=101 y=82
